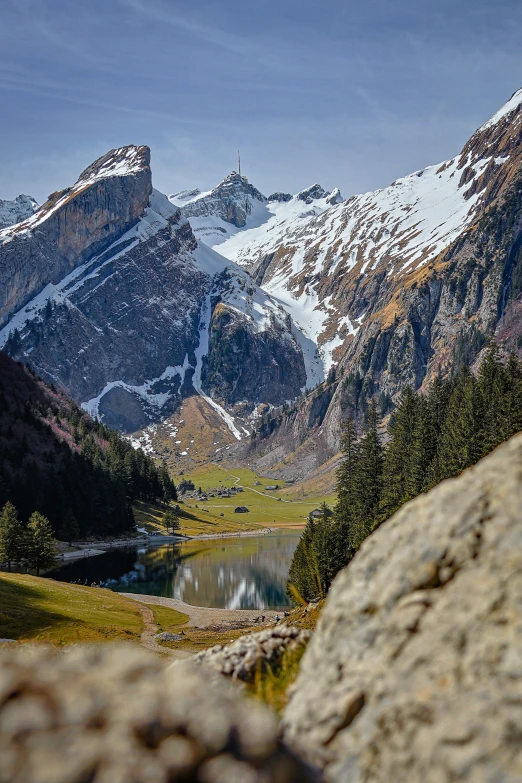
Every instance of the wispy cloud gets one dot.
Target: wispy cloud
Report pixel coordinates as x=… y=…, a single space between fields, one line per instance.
x=209 y=34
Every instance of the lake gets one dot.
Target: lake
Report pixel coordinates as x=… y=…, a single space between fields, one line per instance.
x=232 y=573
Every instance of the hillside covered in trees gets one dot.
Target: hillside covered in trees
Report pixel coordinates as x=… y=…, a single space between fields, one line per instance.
x=431 y=437
x=56 y=460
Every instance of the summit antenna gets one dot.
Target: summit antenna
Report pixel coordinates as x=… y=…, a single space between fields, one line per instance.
x=239 y=162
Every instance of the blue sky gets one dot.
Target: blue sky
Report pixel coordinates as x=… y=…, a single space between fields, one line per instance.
x=348 y=93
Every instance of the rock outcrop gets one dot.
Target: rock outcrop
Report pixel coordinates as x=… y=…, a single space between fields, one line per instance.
x=116 y=714
x=253 y=653
x=415 y=669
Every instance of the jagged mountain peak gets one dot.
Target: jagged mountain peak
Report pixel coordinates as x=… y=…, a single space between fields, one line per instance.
x=108 y=199
x=20 y=208
x=312 y=193
x=316 y=193
x=123 y=162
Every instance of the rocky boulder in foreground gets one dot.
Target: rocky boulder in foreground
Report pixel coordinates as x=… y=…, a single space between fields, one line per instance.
x=415 y=670
x=116 y=715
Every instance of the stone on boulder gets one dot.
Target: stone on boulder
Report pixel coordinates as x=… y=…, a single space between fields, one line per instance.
x=415 y=670
x=117 y=714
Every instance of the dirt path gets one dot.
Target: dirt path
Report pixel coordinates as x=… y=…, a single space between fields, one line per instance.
x=201 y=616
x=147 y=639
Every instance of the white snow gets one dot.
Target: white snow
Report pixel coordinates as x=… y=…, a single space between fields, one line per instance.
x=144 y=390
x=266 y=236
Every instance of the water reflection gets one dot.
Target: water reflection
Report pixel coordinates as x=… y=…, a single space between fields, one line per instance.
x=235 y=573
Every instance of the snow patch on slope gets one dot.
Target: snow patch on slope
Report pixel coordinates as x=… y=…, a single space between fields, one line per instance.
x=283 y=217
x=144 y=390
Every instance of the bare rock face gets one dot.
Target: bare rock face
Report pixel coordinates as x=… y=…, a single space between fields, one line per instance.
x=415 y=670
x=250 y=357
x=116 y=714
x=74 y=224
x=253 y=653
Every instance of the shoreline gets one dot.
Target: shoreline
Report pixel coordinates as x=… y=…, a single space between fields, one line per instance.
x=202 y=617
x=100 y=547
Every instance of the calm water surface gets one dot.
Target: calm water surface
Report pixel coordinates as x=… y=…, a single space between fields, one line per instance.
x=232 y=573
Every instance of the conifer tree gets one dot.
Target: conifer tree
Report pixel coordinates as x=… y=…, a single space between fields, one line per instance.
x=461 y=435
x=493 y=421
x=11 y=536
x=399 y=471
x=513 y=395
x=367 y=480
x=304 y=581
x=40 y=543
x=344 y=506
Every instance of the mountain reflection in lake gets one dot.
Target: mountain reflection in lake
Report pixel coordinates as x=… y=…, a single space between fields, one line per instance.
x=234 y=573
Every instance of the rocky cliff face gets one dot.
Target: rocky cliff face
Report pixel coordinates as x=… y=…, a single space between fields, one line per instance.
x=72 y=225
x=21 y=208
x=251 y=350
x=414 y=670
x=122 y=299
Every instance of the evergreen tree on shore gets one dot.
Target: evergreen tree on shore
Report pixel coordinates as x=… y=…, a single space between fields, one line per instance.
x=40 y=544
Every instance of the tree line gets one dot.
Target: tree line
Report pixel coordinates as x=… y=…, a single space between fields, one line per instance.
x=430 y=437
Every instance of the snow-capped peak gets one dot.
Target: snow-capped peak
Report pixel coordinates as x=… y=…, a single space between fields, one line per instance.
x=117 y=163
x=312 y=193
x=12 y=212
x=120 y=162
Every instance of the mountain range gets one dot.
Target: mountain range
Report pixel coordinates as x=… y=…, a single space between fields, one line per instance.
x=134 y=302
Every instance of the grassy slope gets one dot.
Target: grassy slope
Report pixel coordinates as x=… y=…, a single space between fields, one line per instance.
x=194 y=521
x=265 y=509
x=167 y=619
x=35 y=609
